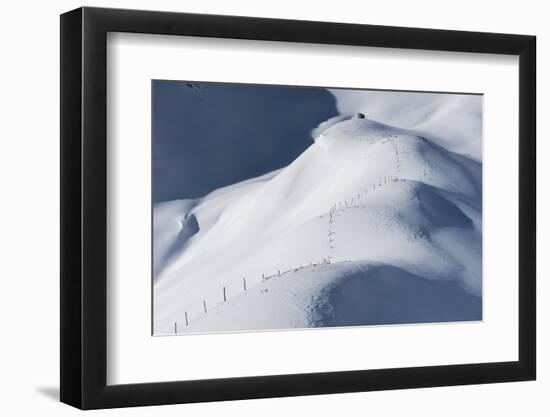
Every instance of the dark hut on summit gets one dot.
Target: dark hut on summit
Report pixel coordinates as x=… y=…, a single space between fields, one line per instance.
x=361 y=115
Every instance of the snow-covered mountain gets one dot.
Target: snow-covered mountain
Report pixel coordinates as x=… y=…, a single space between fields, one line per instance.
x=372 y=224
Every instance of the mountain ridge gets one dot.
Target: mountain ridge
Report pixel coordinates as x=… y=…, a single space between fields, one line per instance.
x=364 y=191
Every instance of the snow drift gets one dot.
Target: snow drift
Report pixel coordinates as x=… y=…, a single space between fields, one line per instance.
x=450 y=120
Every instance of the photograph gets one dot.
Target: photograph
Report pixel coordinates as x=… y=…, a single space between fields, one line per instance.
x=280 y=207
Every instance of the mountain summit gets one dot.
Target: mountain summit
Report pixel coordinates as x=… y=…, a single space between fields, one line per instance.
x=369 y=216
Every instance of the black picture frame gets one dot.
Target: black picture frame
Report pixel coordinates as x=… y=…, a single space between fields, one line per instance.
x=84 y=207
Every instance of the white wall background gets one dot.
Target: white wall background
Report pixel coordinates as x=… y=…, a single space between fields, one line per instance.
x=29 y=237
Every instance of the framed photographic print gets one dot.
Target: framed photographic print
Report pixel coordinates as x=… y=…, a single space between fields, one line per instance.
x=258 y=207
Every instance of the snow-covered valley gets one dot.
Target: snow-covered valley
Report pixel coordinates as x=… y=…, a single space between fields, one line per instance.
x=372 y=224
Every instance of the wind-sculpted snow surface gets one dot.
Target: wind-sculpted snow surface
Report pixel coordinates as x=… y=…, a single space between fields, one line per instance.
x=372 y=224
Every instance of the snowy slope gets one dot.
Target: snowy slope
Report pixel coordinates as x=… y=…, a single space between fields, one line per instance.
x=367 y=206
x=450 y=120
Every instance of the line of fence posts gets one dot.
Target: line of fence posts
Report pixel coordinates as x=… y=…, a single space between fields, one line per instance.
x=387 y=180
x=325 y=260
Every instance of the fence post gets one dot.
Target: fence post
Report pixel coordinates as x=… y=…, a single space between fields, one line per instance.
x=186 y=321
x=224 y=297
x=175 y=327
x=204 y=305
x=244 y=283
